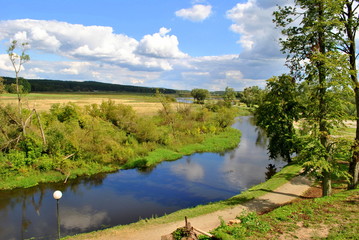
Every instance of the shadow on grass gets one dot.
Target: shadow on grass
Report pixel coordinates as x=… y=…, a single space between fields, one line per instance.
x=286 y=194
x=269 y=187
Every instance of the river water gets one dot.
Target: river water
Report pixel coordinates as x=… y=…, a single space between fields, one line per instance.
x=124 y=197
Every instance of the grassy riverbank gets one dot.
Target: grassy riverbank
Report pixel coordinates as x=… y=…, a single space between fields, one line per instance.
x=225 y=140
x=277 y=180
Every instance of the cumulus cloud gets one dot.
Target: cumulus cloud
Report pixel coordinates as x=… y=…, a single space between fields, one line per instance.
x=160 y=45
x=94 y=43
x=197 y=13
x=257 y=33
x=5 y=63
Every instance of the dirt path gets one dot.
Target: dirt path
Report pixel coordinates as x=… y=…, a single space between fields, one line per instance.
x=284 y=194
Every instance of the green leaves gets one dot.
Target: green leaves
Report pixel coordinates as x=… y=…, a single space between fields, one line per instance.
x=200 y=95
x=277 y=113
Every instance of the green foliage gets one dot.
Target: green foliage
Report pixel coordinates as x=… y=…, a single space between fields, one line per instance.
x=225 y=117
x=250 y=222
x=65 y=112
x=277 y=113
x=229 y=96
x=10 y=132
x=2 y=86
x=180 y=233
x=24 y=85
x=120 y=115
x=251 y=96
x=318 y=160
x=199 y=95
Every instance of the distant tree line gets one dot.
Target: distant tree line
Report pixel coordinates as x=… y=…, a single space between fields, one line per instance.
x=45 y=85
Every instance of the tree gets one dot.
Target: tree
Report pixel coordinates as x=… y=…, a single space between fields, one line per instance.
x=251 y=96
x=277 y=113
x=348 y=29
x=17 y=62
x=229 y=96
x=22 y=86
x=200 y=95
x=312 y=57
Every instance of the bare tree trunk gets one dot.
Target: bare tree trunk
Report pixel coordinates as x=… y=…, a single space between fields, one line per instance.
x=326 y=184
x=41 y=128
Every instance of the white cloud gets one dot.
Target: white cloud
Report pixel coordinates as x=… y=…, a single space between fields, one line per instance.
x=160 y=45
x=5 y=63
x=82 y=218
x=21 y=37
x=94 y=43
x=191 y=171
x=257 y=33
x=197 y=13
x=75 y=68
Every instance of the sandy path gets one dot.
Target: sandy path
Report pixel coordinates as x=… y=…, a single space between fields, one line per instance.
x=284 y=194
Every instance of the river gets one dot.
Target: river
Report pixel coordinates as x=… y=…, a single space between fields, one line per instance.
x=106 y=200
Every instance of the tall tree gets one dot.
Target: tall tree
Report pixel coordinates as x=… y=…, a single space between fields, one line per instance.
x=350 y=23
x=18 y=60
x=311 y=47
x=18 y=57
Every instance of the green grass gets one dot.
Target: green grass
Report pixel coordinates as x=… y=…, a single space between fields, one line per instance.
x=334 y=217
x=344 y=132
x=212 y=143
x=337 y=214
x=244 y=110
x=31 y=178
x=277 y=180
x=221 y=142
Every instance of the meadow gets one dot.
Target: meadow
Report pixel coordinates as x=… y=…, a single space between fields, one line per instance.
x=143 y=104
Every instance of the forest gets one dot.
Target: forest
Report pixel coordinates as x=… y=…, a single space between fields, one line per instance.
x=47 y=85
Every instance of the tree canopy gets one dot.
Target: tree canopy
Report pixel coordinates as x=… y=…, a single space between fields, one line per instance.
x=310 y=29
x=200 y=95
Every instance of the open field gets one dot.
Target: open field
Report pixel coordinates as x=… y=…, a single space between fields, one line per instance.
x=143 y=104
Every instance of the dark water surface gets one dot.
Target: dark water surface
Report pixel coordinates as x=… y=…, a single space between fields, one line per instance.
x=106 y=200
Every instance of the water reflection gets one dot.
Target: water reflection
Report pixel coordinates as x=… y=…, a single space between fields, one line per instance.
x=271 y=170
x=82 y=218
x=191 y=171
x=127 y=196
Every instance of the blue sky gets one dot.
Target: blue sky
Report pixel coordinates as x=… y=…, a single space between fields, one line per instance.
x=181 y=44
